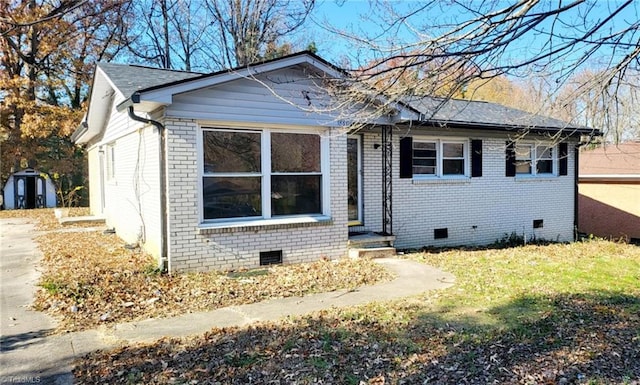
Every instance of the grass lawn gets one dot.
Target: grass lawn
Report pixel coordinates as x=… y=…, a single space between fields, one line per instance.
x=556 y=314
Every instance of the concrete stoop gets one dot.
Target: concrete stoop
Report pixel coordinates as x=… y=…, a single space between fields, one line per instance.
x=65 y=221
x=371 y=245
x=373 y=252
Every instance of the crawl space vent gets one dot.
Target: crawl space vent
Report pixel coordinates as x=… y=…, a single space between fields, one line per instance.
x=538 y=223
x=270 y=257
x=441 y=233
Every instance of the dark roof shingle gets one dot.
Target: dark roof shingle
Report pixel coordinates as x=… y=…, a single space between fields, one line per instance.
x=131 y=78
x=483 y=113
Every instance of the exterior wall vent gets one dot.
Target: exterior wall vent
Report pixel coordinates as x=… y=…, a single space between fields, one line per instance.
x=270 y=257
x=441 y=233
x=538 y=223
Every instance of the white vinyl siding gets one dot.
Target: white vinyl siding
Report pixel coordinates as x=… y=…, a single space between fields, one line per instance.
x=281 y=98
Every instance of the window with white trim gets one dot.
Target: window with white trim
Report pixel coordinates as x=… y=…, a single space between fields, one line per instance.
x=260 y=174
x=111 y=161
x=440 y=158
x=532 y=159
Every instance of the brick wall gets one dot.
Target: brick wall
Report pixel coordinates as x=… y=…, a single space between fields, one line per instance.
x=475 y=211
x=610 y=210
x=193 y=247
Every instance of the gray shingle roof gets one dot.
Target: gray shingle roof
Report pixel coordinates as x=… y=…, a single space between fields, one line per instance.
x=467 y=112
x=131 y=78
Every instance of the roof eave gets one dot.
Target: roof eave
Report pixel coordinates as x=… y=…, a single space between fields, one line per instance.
x=80 y=131
x=571 y=131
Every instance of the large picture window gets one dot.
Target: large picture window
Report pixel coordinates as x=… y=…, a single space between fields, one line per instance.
x=439 y=158
x=260 y=174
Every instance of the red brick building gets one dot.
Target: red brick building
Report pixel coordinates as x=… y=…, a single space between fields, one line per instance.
x=609 y=191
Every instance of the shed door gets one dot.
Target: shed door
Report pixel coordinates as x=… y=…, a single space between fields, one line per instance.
x=29 y=192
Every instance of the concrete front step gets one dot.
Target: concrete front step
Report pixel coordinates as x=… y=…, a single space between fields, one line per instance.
x=372 y=252
x=65 y=221
x=370 y=240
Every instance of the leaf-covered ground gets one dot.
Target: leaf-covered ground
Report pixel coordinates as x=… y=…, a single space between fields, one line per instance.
x=91 y=279
x=557 y=314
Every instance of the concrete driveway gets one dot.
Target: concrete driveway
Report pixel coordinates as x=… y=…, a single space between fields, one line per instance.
x=26 y=355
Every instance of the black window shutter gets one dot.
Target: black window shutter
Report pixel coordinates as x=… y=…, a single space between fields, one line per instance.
x=476 y=158
x=563 y=151
x=510 y=159
x=406 y=157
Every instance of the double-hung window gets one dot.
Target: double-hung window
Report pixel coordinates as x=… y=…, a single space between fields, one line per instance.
x=260 y=174
x=439 y=158
x=232 y=178
x=296 y=178
x=534 y=159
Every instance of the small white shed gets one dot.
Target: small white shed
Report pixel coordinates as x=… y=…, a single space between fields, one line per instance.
x=29 y=189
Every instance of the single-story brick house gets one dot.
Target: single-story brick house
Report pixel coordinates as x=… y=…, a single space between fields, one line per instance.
x=609 y=191
x=250 y=166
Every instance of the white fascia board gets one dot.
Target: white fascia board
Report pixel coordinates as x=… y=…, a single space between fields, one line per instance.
x=103 y=76
x=101 y=100
x=165 y=95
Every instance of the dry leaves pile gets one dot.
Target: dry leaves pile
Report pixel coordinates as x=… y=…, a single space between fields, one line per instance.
x=92 y=279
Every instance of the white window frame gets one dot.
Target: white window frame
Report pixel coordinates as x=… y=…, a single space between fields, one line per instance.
x=440 y=158
x=265 y=175
x=360 y=220
x=535 y=159
x=110 y=165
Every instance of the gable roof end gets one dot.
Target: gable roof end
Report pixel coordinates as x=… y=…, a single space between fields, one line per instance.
x=148 y=88
x=161 y=94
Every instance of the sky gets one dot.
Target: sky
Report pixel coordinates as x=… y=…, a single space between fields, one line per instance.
x=359 y=18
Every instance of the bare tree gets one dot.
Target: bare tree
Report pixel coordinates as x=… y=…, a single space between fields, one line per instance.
x=442 y=46
x=209 y=35
x=246 y=31
x=169 y=34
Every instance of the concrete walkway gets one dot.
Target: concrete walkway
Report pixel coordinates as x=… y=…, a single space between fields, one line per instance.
x=29 y=355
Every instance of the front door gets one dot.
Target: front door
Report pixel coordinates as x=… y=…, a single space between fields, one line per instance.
x=354 y=182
